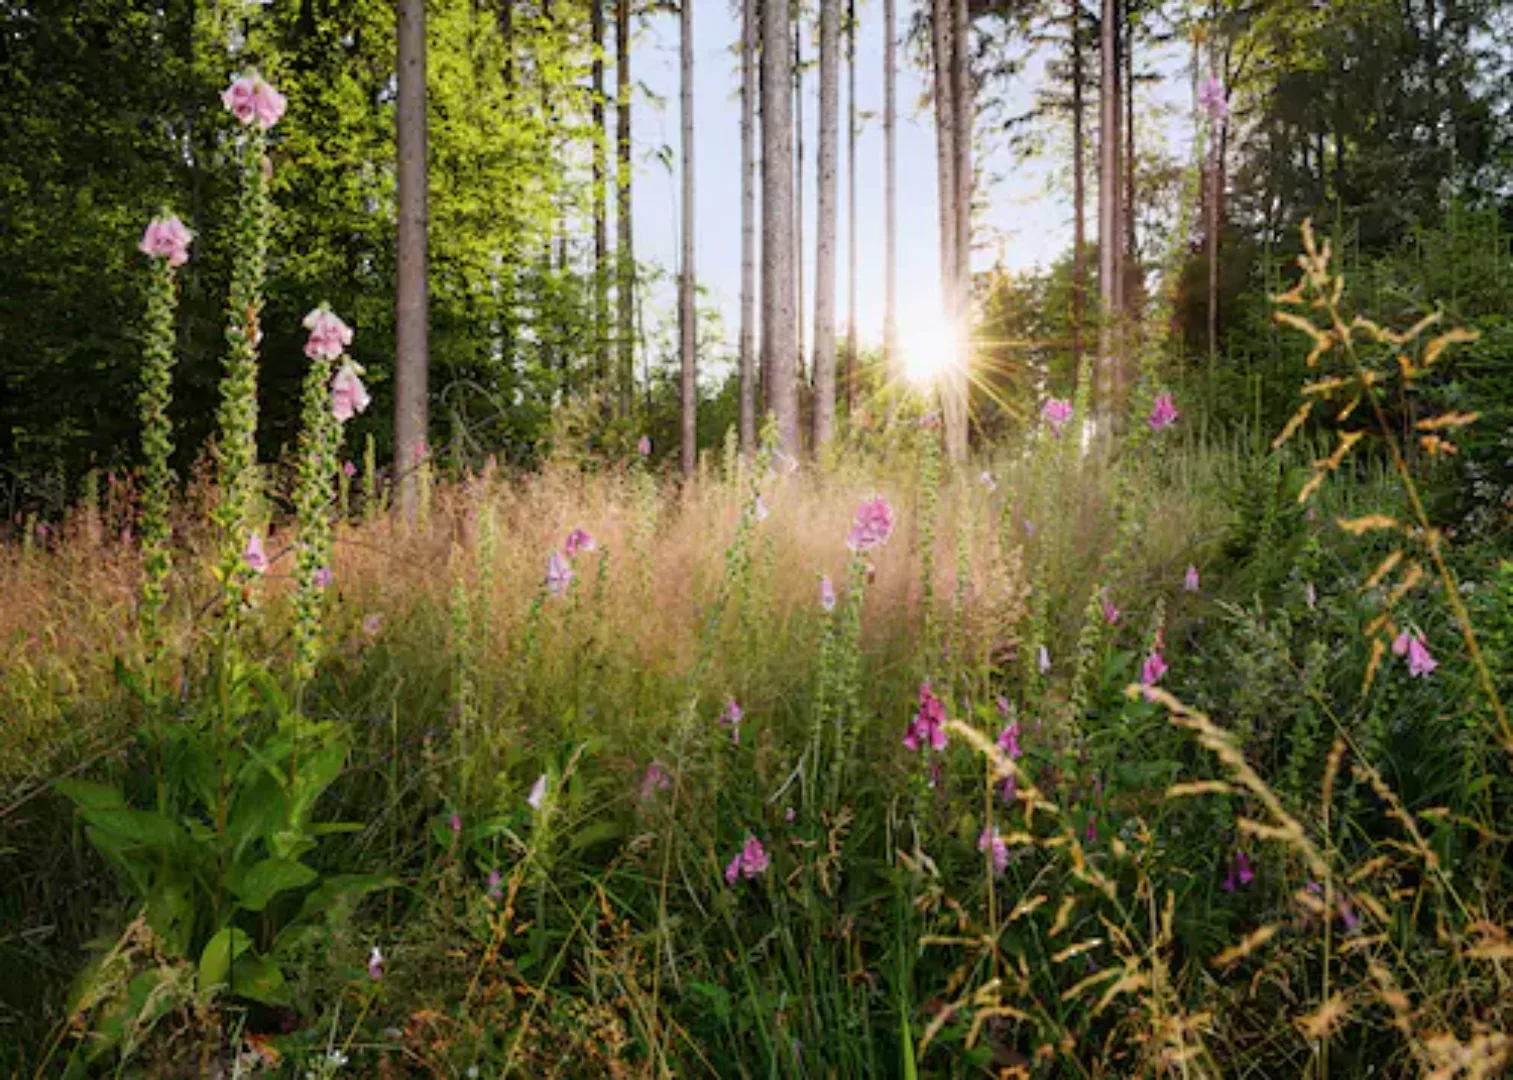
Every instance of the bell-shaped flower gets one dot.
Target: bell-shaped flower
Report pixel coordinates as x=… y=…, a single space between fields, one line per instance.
x=166 y=238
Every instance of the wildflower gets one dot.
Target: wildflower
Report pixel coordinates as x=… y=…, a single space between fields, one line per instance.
x=655 y=780
x=751 y=861
x=1212 y=99
x=455 y=823
x=1092 y=828
x=559 y=574
x=789 y=815
x=988 y=483
x=375 y=964
x=643 y=446
x=538 y=793
x=1239 y=872
x=1043 y=660
x=167 y=238
x=731 y=718
x=348 y=469
x=254 y=556
x=252 y=100
x=1028 y=526
x=1110 y=612
x=989 y=840
x=1414 y=647
x=1056 y=412
x=579 y=541
x=930 y=421
x=1153 y=668
x=335 y=1058
x=372 y=625
x=873 y=525
x=348 y=395
x=827 y=593
x=328 y=334
x=1163 y=413
x=928 y=727
x=1348 y=916
x=494 y=884
x=323 y=578
x=1008 y=743
x=1190 y=583
x=758 y=510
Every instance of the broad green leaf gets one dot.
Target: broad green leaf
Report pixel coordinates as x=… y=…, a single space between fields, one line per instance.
x=92 y=796
x=218 y=955
x=270 y=877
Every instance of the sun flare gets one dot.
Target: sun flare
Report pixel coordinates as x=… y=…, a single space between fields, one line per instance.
x=928 y=349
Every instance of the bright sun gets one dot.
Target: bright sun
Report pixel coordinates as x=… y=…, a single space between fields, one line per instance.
x=928 y=350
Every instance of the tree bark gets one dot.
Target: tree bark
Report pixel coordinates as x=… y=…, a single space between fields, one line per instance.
x=942 y=40
x=824 y=250
x=600 y=195
x=748 y=226
x=851 y=134
x=962 y=94
x=1131 y=279
x=1108 y=216
x=890 y=193
x=1079 y=195
x=779 y=327
x=625 y=250
x=798 y=181
x=412 y=360
x=688 y=331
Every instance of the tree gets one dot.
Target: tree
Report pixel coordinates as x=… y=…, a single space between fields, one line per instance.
x=1079 y=190
x=412 y=360
x=824 y=267
x=600 y=137
x=625 y=249
x=1108 y=213
x=779 y=327
x=949 y=22
x=890 y=192
x=851 y=134
x=688 y=330
x=748 y=226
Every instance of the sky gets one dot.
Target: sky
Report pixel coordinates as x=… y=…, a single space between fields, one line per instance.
x=1027 y=220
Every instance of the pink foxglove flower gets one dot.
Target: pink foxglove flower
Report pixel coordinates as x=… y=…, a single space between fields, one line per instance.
x=988 y=483
x=166 y=238
x=455 y=823
x=1153 y=668
x=538 y=793
x=1420 y=662
x=758 y=510
x=348 y=469
x=750 y=862
x=1056 y=412
x=1163 y=413
x=790 y=815
x=559 y=574
x=375 y=964
x=253 y=101
x=1008 y=742
x=328 y=334
x=323 y=578
x=928 y=727
x=1043 y=660
x=254 y=556
x=372 y=625
x=579 y=541
x=643 y=446
x=348 y=395
x=827 y=593
x=655 y=780
x=990 y=841
x=495 y=884
x=1348 y=917
x=1110 y=612
x=1212 y=99
x=1191 y=582
x=731 y=718
x=1239 y=872
x=873 y=525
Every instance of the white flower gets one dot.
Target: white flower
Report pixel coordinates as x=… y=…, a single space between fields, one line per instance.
x=538 y=793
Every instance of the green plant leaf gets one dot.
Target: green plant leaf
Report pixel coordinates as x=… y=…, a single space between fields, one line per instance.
x=219 y=954
x=92 y=796
x=270 y=877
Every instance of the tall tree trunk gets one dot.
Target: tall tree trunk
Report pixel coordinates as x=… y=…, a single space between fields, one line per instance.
x=1132 y=279
x=1118 y=233
x=798 y=182
x=748 y=226
x=600 y=195
x=824 y=248
x=688 y=330
x=851 y=133
x=890 y=193
x=625 y=250
x=1108 y=215
x=941 y=41
x=412 y=359
x=779 y=326
x=1079 y=195
x=962 y=94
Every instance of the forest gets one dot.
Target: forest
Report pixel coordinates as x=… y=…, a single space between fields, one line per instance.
x=805 y=538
